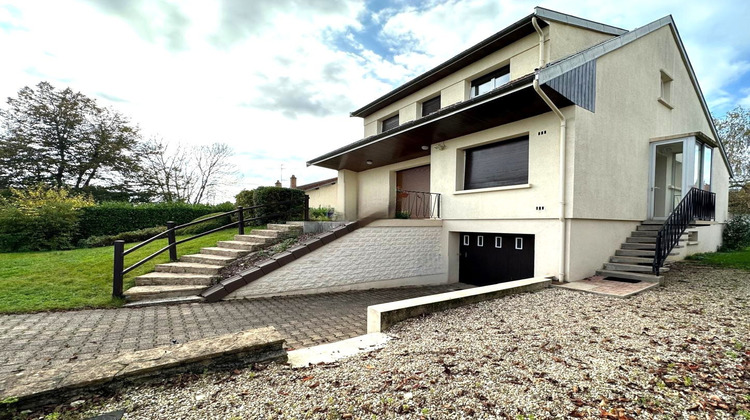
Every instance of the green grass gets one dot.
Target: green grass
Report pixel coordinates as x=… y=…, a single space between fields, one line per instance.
x=735 y=259
x=79 y=278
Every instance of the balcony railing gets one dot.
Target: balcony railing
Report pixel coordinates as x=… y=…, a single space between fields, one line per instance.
x=417 y=205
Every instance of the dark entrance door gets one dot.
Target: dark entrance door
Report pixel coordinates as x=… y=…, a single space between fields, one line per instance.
x=490 y=258
x=410 y=183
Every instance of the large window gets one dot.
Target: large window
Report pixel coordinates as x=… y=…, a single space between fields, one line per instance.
x=490 y=81
x=497 y=164
x=431 y=105
x=702 y=166
x=390 y=123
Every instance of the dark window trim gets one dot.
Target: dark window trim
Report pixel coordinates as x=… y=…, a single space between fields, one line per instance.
x=389 y=123
x=430 y=106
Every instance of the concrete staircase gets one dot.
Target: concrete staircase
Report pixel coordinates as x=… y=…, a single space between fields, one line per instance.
x=184 y=280
x=634 y=259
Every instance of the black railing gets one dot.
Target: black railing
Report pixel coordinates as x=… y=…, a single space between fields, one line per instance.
x=119 y=263
x=417 y=205
x=696 y=205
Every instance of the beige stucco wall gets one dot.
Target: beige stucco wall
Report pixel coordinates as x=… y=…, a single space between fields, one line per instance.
x=566 y=40
x=590 y=243
x=347 y=193
x=612 y=153
x=326 y=196
x=377 y=188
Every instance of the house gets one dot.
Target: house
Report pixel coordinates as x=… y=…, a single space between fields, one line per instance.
x=322 y=193
x=551 y=148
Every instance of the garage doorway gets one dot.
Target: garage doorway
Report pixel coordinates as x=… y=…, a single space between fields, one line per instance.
x=491 y=258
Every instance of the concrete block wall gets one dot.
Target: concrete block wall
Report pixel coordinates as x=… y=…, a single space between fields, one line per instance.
x=367 y=258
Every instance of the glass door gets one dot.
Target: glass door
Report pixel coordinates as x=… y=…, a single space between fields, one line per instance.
x=668 y=172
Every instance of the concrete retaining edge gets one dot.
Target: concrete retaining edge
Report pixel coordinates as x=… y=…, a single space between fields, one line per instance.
x=383 y=316
x=54 y=385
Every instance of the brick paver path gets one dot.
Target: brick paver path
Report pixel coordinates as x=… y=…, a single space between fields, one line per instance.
x=33 y=341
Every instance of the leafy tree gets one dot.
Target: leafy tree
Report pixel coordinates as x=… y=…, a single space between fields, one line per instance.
x=63 y=139
x=734 y=130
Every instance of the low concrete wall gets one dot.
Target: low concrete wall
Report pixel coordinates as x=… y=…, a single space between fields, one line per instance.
x=317 y=227
x=383 y=316
x=370 y=257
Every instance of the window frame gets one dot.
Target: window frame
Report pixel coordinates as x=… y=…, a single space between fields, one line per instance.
x=429 y=103
x=504 y=181
x=388 y=120
x=496 y=79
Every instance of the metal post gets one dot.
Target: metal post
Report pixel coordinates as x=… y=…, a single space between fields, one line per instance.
x=241 y=225
x=170 y=238
x=118 y=267
x=306 y=214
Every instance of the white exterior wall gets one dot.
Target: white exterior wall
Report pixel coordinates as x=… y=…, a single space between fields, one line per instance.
x=370 y=257
x=326 y=196
x=377 y=188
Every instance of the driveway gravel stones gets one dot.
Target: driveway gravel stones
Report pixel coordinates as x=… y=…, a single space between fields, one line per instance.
x=679 y=351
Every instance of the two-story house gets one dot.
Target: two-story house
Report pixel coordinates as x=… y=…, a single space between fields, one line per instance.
x=554 y=146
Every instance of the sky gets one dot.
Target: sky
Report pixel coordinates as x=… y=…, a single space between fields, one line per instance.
x=276 y=80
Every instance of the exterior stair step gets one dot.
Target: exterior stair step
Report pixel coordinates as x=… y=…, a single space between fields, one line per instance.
x=653 y=222
x=271 y=233
x=256 y=239
x=630 y=276
x=637 y=245
x=630 y=267
x=631 y=260
x=184 y=267
x=648 y=233
x=638 y=253
x=225 y=252
x=139 y=293
x=241 y=245
x=641 y=240
x=649 y=227
x=206 y=259
x=285 y=228
x=166 y=301
x=173 y=279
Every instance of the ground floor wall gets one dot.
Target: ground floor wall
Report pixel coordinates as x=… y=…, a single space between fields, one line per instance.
x=591 y=243
x=382 y=255
x=326 y=196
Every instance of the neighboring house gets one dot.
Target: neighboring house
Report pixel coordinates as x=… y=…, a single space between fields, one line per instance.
x=322 y=193
x=544 y=147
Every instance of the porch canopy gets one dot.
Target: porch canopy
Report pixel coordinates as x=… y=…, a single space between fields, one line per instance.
x=512 y=102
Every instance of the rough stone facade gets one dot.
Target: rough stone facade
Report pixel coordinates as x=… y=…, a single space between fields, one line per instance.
x=367 y=257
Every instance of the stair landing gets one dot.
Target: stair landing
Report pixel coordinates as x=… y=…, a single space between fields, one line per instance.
x=609 y=287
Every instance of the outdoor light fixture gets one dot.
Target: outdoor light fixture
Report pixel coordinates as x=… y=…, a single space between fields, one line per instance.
x=440 y=146
x=369 y=162
x=425 y=147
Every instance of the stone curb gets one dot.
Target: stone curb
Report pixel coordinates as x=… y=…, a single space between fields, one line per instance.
x=383 y=316
x=225 y=287
x=55 y=384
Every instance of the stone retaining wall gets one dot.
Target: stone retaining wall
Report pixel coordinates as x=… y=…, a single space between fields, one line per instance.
x=369 y=257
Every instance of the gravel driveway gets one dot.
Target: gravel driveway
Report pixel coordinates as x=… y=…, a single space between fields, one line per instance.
x=682 y=350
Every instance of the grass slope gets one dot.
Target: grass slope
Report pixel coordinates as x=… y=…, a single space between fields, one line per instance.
x=79 y=278
x=736 y=259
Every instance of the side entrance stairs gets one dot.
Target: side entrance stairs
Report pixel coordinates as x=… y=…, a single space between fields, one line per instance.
x=193 y=274
x=635 y=258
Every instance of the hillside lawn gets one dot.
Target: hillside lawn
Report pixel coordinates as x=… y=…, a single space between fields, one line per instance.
x=79 y=278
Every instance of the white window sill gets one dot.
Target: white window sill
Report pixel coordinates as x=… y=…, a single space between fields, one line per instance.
x=665 y=103
x=505 y=188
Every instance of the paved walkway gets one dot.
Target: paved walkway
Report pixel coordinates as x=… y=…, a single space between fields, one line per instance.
x=33 y=341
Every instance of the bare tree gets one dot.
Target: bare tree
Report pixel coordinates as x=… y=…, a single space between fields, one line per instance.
x=734 y=130
x=176 y=173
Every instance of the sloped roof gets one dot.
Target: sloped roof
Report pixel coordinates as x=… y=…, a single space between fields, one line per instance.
x=317 y=184
x=486 y=47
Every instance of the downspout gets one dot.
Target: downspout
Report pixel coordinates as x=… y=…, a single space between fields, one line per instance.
x=563 y=129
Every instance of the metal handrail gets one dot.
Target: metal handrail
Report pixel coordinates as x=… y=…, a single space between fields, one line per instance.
x=696 y=205
x=119 y=269
x=419 y=204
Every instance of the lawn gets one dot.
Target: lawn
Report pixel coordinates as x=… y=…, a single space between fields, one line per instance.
x=79 y=278
x=735 y=259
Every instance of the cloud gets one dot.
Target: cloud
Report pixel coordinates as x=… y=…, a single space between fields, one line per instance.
x=111 y=97
x=156 y=21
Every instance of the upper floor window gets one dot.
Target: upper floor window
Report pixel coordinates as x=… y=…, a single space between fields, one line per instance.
x=390 y=123
x=486 y=83
x=431 y=105
x=665 y=94
x=497 y=164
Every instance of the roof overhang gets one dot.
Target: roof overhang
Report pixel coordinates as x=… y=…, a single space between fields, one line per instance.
x=515 y=101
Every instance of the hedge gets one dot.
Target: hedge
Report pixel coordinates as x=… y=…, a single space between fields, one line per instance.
x=115 y=217
x=132 y=236
x=288 y=212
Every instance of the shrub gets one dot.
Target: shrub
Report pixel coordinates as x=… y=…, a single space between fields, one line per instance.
x=736 y=233
x=321 y=213
x=282 y=212
x=40 y=218
x=205 y=226
x=246 y=198
x=132 y=236
x=115 y=217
